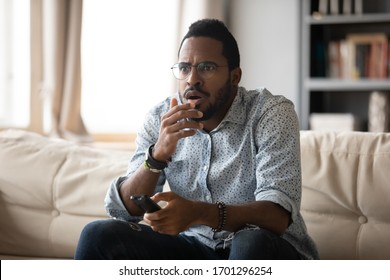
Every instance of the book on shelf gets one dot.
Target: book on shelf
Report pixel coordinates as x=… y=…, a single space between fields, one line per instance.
x=323 y=7
x=335 y=122
x=368 y=55
x=337 y=64
x=358 y=7
x=347 y=7
x=358 y=56
x=338 y=7
x=334 y=7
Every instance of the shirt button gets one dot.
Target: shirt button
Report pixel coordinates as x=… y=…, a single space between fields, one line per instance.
x=205 y=168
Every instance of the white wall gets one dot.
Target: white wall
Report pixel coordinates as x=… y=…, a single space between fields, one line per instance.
x=267 y=32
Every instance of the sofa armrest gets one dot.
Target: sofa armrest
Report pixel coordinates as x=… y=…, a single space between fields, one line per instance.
x=49 y=189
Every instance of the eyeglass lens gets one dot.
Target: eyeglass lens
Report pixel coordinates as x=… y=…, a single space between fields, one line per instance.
x=205 y=70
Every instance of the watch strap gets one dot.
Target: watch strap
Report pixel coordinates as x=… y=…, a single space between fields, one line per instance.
x=152 y=164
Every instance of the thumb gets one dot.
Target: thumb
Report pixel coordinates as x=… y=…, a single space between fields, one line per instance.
x=173 y=102
x=163 y=196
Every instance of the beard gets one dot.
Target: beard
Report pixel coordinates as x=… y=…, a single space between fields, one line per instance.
x=222 y=98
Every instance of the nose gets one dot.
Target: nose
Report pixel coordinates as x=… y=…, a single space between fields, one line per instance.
x=193 y=78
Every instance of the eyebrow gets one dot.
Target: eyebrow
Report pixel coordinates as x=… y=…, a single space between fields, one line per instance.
x=205 y=61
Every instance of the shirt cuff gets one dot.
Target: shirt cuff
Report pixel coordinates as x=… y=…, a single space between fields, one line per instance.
x=114 y=204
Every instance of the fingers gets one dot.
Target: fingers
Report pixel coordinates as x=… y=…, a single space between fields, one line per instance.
x=182 y=111
x=168 y=220
x=176 y=124
x=179 y=119
x=163 y=225
x=186 y=125
x=173 y=102
x=163 y=196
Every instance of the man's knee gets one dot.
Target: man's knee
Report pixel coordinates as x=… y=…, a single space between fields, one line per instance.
x=258 y=237
x=255 y=244
x=97 y=230
x=96 y=236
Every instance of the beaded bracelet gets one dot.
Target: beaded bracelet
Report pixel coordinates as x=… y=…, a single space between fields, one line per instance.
x=222 y=216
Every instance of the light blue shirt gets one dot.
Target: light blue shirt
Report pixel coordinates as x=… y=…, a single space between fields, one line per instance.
x=254 y=154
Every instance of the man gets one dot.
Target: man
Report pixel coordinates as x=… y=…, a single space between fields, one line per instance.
x=232 y=161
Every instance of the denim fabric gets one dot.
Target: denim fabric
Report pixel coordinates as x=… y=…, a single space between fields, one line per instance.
x=120 y=240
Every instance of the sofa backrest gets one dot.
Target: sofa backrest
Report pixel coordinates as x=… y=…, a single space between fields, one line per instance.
x=346 y=193
x=49 y=189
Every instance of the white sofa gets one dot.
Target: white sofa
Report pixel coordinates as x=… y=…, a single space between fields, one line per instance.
x=49 y=189
x=346 y=193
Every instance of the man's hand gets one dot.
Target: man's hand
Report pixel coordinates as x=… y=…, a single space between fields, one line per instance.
x=178 y=215
x=175 y=125
x=181 y=213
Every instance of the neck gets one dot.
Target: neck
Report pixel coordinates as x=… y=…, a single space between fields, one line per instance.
x=215 y=120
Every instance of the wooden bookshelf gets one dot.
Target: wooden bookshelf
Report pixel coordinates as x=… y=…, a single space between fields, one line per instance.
x=321 y=91
x=324 y=84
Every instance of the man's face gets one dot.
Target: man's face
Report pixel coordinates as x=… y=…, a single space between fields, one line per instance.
x=213 y=96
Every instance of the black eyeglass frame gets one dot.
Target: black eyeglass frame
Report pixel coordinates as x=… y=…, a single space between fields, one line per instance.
x=199 y=68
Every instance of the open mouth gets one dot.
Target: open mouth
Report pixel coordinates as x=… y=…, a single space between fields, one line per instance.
x=194 y=95
x=194 y=98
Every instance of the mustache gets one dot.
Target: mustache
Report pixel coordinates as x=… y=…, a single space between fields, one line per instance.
x=195 y=88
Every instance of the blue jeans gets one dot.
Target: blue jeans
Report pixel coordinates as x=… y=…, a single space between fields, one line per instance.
x=119 y=240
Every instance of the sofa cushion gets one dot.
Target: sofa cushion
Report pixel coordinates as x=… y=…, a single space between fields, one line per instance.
x=346 y=193
x=49 y=189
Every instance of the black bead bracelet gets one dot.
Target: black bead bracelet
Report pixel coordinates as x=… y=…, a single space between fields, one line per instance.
x=222 y=216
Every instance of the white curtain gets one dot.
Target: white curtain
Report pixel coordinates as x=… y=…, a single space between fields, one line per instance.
x=60 y=56
x=61 y=85
x=190 y=11
x=193 y=10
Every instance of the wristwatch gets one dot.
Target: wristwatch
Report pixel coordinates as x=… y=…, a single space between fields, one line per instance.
x=153 y=165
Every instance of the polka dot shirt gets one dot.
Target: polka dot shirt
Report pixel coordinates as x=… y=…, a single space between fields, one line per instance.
x=254 y=154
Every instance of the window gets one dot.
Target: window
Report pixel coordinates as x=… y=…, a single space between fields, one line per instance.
x=128 y=48
x=15 y=63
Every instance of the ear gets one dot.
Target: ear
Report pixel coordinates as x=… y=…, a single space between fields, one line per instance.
x=235 y=76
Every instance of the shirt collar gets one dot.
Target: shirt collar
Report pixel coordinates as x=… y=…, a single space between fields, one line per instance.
x=237 y=112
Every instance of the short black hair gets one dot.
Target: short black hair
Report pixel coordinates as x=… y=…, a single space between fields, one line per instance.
x=216 y=29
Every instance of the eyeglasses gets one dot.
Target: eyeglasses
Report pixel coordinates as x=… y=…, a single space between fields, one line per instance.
x=205 y=70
